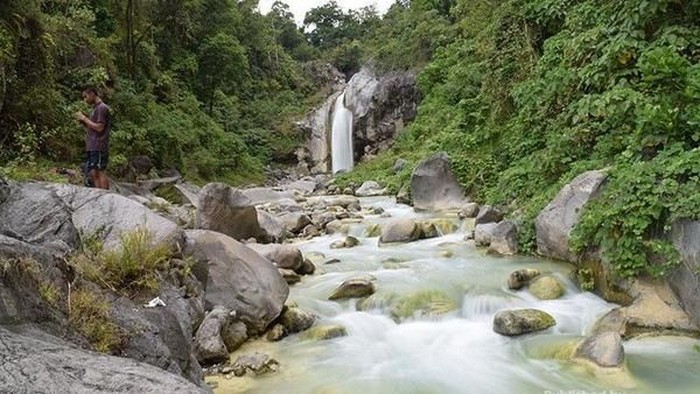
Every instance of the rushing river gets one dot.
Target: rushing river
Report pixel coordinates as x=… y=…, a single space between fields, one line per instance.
x=454 y=352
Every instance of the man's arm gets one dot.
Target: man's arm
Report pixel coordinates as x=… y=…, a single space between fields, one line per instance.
x=96 y=126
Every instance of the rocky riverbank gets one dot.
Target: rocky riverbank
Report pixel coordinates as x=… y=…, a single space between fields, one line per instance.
x=232 y=255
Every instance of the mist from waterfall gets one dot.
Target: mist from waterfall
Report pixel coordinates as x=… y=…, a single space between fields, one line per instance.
x=341 y=137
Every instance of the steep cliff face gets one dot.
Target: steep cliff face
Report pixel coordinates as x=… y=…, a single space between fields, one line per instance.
x=382 y=105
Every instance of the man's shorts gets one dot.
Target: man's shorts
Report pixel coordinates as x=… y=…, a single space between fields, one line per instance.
x=97 y=160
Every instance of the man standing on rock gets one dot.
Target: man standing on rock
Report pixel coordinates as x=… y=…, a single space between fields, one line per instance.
x=97 y=128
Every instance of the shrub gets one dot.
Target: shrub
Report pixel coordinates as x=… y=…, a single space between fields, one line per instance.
x=130 y=269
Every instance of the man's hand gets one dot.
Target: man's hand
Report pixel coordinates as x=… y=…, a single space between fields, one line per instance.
x=80 y=116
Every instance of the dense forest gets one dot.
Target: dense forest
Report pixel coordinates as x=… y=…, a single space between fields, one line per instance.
x=523 y=94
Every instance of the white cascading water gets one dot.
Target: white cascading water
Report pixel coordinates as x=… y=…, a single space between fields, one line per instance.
x=455 y=352
x=341 y=137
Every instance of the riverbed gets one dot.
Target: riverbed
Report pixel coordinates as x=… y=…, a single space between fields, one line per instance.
x=447 y=344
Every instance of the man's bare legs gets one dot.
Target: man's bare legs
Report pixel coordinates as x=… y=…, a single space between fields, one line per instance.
x=99 y=178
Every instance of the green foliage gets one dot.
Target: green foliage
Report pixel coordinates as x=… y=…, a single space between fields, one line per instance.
x=89 y=314
x=130 y=269
x=526 y=94
x=189 y=82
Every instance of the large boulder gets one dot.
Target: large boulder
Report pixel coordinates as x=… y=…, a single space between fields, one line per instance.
x=522 y=321
x=283 y=256
x=504 y=239
x=483 y=233
x=273 y=229
x=654 y=311
x=685 y=280
x=400 y=230
x=34 y=213
x=353 y=288
x=109 y=216
x=434 y=187
x=297 y=320
x=554 y=224
x=488 y=214
x=603 y=349
x=546 y=287
x=156 y=336
x=37 y=362
x=228 y=211
x=238 y=278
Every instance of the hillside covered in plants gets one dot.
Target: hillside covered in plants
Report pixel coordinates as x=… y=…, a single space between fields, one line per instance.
x=525 y=95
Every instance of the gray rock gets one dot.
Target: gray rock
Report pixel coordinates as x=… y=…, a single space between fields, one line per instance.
x=370 y=189
x=156 y=336
x=277 y=333
x=273 y=229
x=347 y=242
x=685 y=280
x=434 y=187
x=400 y=230
x=234 y=333
x=209 y=345
x=239 y=278
x=488 y=214
x=469 y=210
x=504 y=239
x=521 y=321
x=546 y=287
x=521 y=278
x=337 y=226
x=603 y=349
x=311 y=231
x=297 y=320
x=554 y=224
x=353 y=288
x=283 y=256
x=428 y=230
x=483 y=233
x=189 y=192
x=399 y=165
x=307 y=268
x=254 y=364
x=404 y=195
x=37 y=363
x=34 y=213
x=295 y=221
x=289 y=276
x=306 y=188
x=87 y=211
x=228 y=211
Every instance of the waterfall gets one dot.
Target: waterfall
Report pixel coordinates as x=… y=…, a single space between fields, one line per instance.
x=341 y=136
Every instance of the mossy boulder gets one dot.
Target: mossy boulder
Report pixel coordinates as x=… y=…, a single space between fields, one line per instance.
x=420 y=304
x=546 y=287
x=296 y=319
x=325 y=332
x=522 y=321
x=424 y=303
